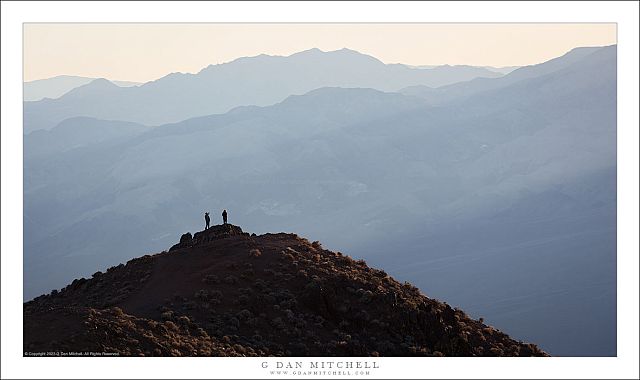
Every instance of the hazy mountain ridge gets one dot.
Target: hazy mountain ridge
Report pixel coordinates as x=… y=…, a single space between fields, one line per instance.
x=472 y=87
x=56 y=87
x=76 y=133
x=261 y=80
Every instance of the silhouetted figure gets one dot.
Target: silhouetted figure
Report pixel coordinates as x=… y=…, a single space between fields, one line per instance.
x=207 y=220
x=224 y=216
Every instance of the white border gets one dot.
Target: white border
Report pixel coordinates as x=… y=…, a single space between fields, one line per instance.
x=624 y=13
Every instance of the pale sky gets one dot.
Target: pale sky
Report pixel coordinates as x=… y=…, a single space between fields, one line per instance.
x=144 y=52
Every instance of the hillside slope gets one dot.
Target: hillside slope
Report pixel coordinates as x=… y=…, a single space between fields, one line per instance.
x=224 y=292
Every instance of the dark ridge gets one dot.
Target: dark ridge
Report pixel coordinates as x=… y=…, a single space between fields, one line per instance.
x=223 y=292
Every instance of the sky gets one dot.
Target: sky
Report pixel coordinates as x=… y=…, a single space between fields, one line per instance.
x=144 y=52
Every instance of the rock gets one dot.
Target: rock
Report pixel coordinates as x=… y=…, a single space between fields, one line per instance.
x=186 y=240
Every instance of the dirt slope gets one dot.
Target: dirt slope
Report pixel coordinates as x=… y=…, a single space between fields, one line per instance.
x=224 y=292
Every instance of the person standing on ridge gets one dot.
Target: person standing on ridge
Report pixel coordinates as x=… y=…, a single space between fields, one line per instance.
x=224 y=216
x=207 y=220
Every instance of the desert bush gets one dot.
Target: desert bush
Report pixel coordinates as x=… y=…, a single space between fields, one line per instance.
x=232 y=266
x=235 y=322
x=167 y=316
x=215 y=294
x=278 y=323
x=379 y=273
x=202 y=294
x=259 y=284
x=366 y=296
x=316 y=244
x=247 y=273
x=171 y=326
x=244 y=315
x=231 y=280
x=184 y=320
x=211 y=279
x=287 y=256
x=152 y=324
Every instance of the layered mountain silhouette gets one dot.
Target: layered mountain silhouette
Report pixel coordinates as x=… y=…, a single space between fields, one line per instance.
x=223 y=292
x=469 y=88
x=79 y=132
x=501 y=200
x=55 y=87
x=261 y=80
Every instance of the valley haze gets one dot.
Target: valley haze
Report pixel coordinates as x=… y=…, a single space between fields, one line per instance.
x=494 y=191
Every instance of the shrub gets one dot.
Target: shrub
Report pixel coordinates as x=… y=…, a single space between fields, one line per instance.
x=244 y=315
x=287 y=256
x=167 y=315
x=215 y=294
x=316 y=244
x=292 y=251
x=247 y=273
x=259 y=284
x=184 y=320
x=171 y=326
x=232 y=266
x=202 y=294
x=277 y=323
x=211 y=279
x=118 y=312
x=231 y=280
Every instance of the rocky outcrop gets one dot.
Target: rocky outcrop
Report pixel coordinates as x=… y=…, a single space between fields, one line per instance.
x=219 y=231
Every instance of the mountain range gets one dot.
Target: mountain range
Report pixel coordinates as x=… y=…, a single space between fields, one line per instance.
x=498 y=195
x=57 y=86
x=261 y=80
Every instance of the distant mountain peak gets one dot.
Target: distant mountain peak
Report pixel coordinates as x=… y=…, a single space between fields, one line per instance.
x=96 y=84
x=308 y=51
